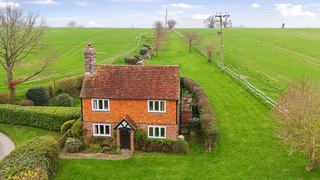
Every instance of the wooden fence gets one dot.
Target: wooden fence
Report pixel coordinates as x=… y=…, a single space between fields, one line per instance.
x=63 y=138
x=237 y=76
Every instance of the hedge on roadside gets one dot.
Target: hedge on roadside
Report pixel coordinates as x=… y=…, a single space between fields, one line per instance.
x=208 y=124
x=51 y=118
x=39 y=156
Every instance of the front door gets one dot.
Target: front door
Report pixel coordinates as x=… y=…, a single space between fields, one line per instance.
x=124 y=139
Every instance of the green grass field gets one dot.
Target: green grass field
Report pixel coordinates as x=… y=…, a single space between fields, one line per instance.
x=247 y=147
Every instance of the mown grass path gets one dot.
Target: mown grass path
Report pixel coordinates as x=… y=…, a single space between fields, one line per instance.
x=247 y=147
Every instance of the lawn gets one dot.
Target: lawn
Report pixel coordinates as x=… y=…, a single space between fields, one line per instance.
x=247 y=147
x=21 y=134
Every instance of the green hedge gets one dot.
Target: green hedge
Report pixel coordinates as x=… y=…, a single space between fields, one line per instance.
x=208 y=124
x=51 y=118
x=66 y=126
x=34 y=154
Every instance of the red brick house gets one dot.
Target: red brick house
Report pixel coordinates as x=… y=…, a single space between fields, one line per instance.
x=125 y=98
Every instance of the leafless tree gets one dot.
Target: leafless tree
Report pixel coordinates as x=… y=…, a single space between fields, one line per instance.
x=80 y=26
x=192 y=37
x=210 y=49
x=20 y=37
x=72 y=24
x=299 y=114
x=172 y=23
x=160 y=35
x=210 y=22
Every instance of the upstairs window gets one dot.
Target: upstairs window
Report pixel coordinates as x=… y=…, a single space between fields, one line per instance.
x=156 y=106
x=157 y=132
x=100 y=105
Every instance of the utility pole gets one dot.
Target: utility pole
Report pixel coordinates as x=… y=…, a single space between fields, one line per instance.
x=220 y=33
x=165 y=24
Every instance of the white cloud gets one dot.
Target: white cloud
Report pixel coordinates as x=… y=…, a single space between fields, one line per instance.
x=5 y=4
x=93 y=24
x=181 y=5
x=200 y=16
x=170 y=12
x=308 y=5
x=255 y=5
x=43 y=2
x=290 y=10
x=84 y=3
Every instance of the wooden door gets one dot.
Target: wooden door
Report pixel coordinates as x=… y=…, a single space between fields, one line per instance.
x=125 y=139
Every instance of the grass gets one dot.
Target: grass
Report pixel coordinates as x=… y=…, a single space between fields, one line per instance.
x=247 y=147
x=21 y=134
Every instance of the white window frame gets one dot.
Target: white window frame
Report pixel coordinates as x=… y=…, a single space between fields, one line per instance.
x=154 y=111
x=105 y=130
x=106 y=110
x=154 y=127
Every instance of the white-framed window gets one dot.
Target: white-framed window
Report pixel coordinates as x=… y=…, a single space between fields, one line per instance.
x=156 y=106
x=101 y=130
x=100 y=105
x=157 y=132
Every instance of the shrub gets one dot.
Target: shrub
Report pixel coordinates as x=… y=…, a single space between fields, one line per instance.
x=66 y=126
x=26 y=102
x=77 y=129
x=73 y=145
x=37 y=95
x=138 y=57
x=131 y=60
x=71 y=86
x=51 y=118
x=194 y=125
x=140 y=139
x=63 y=100
x=180 y=147
x=147 y=46
x=38 y=153
x=4 y=98
x=143 y=51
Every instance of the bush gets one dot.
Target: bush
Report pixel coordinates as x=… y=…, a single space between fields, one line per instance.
x=77 y=129
x=4 y=98
x=51 y=118
x=194 y=125
x=147 y=46
x=71 y=86
x=180 y=147
x=37 y=95
x=26 y=102
x=63 y=100
x=143 y=51
x=38 y=153
x=66 y=126
x=131 y=60
x=138 y=57
x=73 y=145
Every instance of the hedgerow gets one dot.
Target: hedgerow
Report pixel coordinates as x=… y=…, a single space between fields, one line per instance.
x=35 y=156
x=66 y=126
x=208 y=124
x=51 y=118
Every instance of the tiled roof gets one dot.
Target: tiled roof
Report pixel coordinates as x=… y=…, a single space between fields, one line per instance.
x=132 y=82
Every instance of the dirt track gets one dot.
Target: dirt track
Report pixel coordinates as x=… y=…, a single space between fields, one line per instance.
x=6 y=145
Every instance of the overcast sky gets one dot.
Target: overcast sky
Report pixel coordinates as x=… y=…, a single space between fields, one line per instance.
x=142 y=13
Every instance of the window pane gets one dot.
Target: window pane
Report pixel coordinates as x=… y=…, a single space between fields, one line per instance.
x=95 y=104
x=162 y=132
x=150 y=131
x=106 y=104
x=156 y=132
x=156 y=105
x=162 y=105
x=96 y=129
x=101 y=129
x=100 y=104
x=150 y=105
x=107 y=130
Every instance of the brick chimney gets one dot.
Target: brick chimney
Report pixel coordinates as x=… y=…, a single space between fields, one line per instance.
x=89 y=54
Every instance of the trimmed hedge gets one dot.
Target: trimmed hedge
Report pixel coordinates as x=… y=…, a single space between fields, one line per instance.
x=66 y=126
x=51 y=118
x=208 y=124
x=77 y=129
x=37 y=95
x=38 y=153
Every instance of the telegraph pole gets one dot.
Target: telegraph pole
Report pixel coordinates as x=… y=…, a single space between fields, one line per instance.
x=165 y=25
x=220 y=17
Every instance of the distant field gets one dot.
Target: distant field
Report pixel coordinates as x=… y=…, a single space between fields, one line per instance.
x=70 y=42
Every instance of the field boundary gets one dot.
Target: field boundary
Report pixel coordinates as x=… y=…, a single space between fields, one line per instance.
x=236 y=76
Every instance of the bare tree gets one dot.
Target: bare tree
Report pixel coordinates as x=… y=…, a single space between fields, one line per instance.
x=80 y=26
x=72 y=24
x=172 y=23
x=160 y=35
x=192 y=37
x=210 y=49
x=299 y=114
x=20 y=37
x=210 y=21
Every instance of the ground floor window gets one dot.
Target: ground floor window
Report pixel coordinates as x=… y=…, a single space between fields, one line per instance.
x=156 y=132
x=101 y=130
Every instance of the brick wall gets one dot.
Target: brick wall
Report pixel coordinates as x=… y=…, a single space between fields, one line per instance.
x=184 y=117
